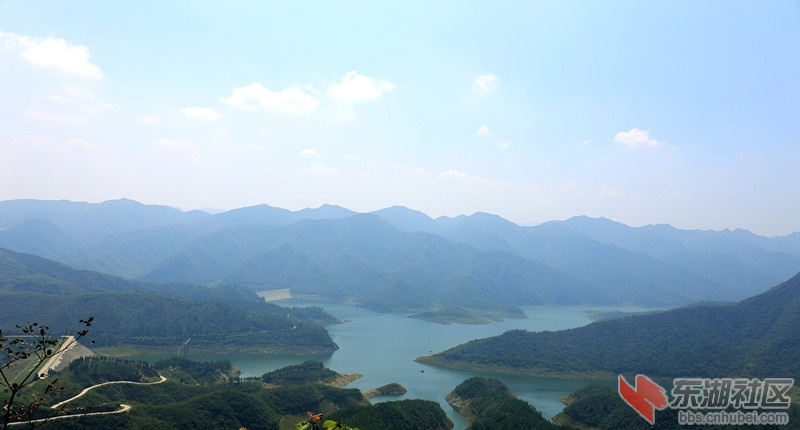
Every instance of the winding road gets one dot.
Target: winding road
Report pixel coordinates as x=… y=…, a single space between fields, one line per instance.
x=123 y=407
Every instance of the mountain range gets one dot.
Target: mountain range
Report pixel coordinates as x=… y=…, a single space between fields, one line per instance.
x=398 y=259
x=154 y=315
x=755 y=337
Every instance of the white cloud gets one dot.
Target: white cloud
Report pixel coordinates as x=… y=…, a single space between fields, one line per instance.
x=292 y=101
x=52 y=53
x=483 y=131
x=636 y=138
x=150 y=119
x=308 y=153
x=485 y=83
x=202 y=113
x=358 y=88
x=452 y=174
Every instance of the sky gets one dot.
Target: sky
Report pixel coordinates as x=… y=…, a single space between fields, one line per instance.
x=678 y=112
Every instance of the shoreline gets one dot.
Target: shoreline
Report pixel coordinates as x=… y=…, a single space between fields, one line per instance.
x=434 y=361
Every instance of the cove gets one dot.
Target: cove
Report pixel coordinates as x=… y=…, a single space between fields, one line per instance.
x=382 y=347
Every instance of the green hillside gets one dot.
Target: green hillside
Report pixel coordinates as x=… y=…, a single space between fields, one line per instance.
x=161 y=315
x=31 y=274
x=601 y=407
x=194 y=395
x=489 y=404
x=398 y=259
x=86 y=223
x=395 y=415
x=363 y=260
x=758 y=337
x=185 y=394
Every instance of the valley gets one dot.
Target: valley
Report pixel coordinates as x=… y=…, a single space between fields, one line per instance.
x=397 y=299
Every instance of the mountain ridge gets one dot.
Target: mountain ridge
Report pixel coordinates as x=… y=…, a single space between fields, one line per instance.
x=758 y=337
x=154 y=315
x=593 y=260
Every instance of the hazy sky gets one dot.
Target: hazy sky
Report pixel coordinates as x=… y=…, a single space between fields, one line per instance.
x=679 y=112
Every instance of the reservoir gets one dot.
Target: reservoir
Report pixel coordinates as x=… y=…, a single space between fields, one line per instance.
x=382 y=347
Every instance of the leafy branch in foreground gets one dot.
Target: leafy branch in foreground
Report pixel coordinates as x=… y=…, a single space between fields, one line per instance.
x=26 y=358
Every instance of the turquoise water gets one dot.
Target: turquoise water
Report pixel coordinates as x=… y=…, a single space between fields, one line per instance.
x=382 y=347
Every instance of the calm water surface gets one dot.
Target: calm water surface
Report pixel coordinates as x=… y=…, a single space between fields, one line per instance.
x=382 y=347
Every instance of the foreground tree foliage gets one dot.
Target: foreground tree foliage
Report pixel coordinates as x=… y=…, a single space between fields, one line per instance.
x=25 y=358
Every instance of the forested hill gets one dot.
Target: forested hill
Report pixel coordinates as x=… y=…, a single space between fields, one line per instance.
x=400 y=259
x=364 y=260
x=166 y=315
x=28 y=273
x=490 y=404
x=758 y=337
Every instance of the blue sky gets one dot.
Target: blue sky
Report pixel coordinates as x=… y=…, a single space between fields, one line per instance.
x=678 y=112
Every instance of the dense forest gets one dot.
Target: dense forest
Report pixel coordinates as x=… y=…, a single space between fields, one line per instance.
x=225 y=317
x=600 y=406
x=309 y=372
x=489 y=404
x=758 y=337
x=157 y=319
x=191 y=279
x=398 y=259
x=406 y=414
x=202 y=395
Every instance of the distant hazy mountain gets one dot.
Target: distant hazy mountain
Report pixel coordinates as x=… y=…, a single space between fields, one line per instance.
x=407 y=219
x=38 y=236
x=759 y=337
x=268 y=215
x=712 y=254
x=133 y=252
x=407 y=260
x=362 y=259
x=632 y=264
x=129 y=312
x=325 y=212
x=75 y=224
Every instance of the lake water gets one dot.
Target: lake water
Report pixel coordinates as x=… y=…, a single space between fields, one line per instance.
x=382 y=347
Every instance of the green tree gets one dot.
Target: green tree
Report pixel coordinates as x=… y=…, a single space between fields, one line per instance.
x=22 y=358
